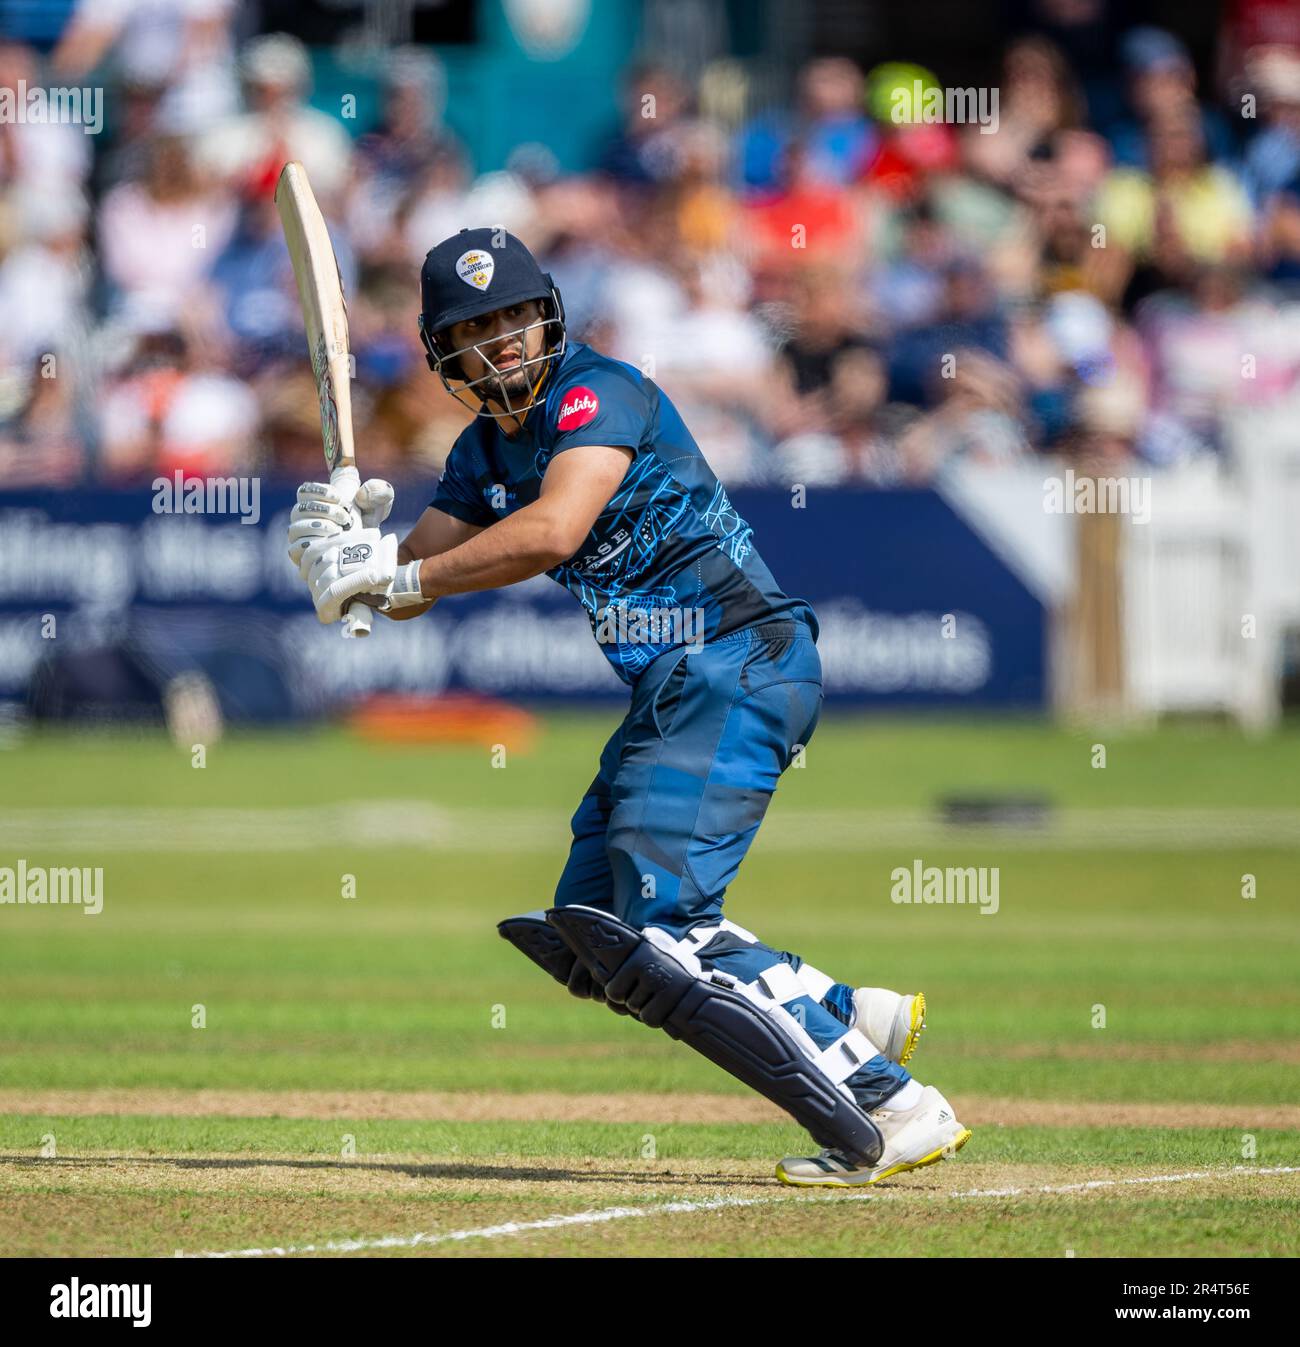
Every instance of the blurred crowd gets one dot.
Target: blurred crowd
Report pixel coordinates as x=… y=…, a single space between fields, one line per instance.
x=828 y=293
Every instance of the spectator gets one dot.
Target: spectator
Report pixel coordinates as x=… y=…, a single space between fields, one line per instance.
x=710 y=355
x=1041 y=100
x=1197 y=340
x=183 y=47
x=706 y=212
x=436 y=206
x=978 y=419
x=1272 y=159
x=393 y=162
x=43 y=156
x=838 y=139
x=246 y=149
x=907 y=287
x=1161 y=87
x=158 y=236
x=41 y=443
x=131 y=141
x=579 y=224
x=1280 y=236
x=1183 y=213
x=644 y=151
x=1058 y=189
x=853 y=435
x=164 y=413
x=259 y=316
x=44 y=279
x=827 y=327
x=806 y=219
x=922 y=363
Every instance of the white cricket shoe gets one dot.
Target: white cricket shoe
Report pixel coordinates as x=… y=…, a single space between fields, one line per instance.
x=920 y=1136
x=892 y=1022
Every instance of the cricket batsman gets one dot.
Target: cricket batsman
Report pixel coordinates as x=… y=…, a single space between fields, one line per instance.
x=577 y=466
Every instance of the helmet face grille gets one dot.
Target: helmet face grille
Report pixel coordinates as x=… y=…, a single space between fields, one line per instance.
x=445 y=363
x=476 y=272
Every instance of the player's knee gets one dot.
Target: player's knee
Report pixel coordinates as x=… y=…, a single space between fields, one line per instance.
x=644 y=896
x=591 y=817
x=635 y=883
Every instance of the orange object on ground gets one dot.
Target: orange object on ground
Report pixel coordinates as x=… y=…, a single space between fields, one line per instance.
x=455 y=718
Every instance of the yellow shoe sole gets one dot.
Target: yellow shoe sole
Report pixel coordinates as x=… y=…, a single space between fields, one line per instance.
x=943 y=1153
x=915 y=1029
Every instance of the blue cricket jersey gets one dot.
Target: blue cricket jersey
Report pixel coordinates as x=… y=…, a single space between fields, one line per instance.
x=668 y=543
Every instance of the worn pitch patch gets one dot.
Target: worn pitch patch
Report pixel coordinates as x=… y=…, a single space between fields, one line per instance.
x=606 y=1215
x=624 y=1107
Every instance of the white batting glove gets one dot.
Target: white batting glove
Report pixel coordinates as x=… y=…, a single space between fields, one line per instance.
x=364 y=561
x=325 y=509
x=373 y=501
x=404 y=592
x=322 y=511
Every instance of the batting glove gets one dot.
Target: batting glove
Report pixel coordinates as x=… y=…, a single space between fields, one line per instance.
x=339 y=569
x=322 y=510
x=404 y=592
x=326 y=509
x=374 y=501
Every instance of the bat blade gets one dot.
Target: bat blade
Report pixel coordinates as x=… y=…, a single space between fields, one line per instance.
x=325 y=316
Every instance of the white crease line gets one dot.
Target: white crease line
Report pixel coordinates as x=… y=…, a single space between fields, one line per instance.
x=492 y=1231
x=1112 y=1183
x=714 y=1204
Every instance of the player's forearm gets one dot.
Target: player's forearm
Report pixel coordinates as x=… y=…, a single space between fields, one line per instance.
x=521 y=546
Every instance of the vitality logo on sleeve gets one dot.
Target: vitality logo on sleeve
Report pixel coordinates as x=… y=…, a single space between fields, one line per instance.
x=578 y=406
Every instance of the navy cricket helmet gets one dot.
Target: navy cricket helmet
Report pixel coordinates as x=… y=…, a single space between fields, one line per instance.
x=474 y=273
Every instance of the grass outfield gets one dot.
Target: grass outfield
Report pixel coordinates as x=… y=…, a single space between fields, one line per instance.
x=478 y=1097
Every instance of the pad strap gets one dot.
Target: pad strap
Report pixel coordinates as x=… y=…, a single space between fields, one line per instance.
x=849 y=1053
x=699 y=936
x=781 y=983
x=815 y=982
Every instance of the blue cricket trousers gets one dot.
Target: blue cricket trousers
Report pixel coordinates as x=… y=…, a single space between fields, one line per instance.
x=684 y=783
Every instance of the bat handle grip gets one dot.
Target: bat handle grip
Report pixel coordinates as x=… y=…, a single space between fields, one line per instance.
x=357 y=620
x=359 y=616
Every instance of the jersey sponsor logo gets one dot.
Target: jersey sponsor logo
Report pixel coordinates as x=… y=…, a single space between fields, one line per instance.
x=607 y=551
x=475 y=268
x=578 y=406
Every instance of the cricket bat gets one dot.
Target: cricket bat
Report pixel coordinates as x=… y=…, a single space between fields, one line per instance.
x=325 y=315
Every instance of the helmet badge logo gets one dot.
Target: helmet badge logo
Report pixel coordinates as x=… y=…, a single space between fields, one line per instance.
x=475 y=268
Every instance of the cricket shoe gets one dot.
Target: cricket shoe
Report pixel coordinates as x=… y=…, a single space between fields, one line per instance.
x=893 y=1023
x=919 y=1136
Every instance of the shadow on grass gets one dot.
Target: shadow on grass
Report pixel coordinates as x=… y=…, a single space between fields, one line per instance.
x=505 y=1173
